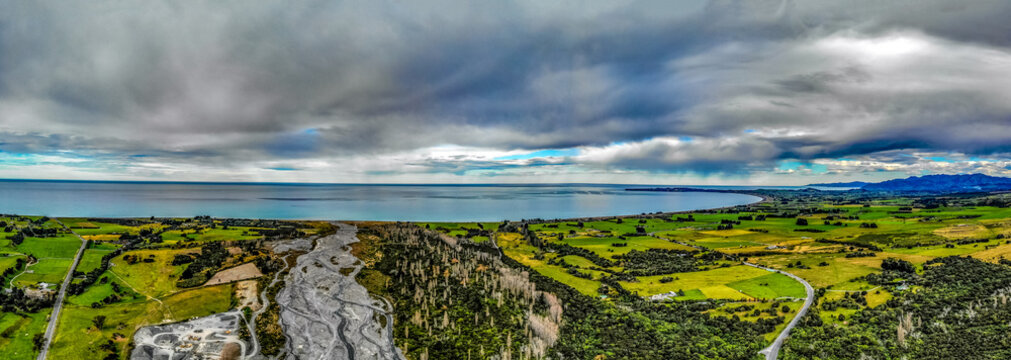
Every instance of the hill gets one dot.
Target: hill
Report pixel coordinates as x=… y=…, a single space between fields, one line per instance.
x=851 y=184
x=944 y=183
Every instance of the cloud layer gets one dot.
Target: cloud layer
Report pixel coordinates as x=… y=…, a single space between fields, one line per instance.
x=446 y=91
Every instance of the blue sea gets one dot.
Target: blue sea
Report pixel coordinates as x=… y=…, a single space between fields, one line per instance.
x=348 y=201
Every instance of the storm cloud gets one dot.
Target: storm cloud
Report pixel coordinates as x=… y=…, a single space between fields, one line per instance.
x=327 y=91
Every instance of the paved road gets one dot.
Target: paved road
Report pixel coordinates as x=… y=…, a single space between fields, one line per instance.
x=772 y=351
x=55 y=316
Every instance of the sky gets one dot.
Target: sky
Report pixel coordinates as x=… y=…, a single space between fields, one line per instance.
x=652 y=92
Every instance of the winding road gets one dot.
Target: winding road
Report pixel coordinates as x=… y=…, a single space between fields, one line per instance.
x=772 y=351
x=251 y=324
x=58 y=305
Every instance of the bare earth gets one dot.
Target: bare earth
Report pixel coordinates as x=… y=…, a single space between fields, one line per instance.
x=209 y=337
x=241 y=272
x=245 y=291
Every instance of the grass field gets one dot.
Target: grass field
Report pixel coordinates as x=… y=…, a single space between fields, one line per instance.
x=85 y=227
x=77 y=335
x=154 y=279
x=839 y=270
x=8 y=261
x=99 y=291
x=64 y=246
x=50 y=271
x=603 y=246
x=91 y=259
x=732 y=283
x=207 y=235
x=21 y=327
x=770 y=286
x=128 y=295
x=578 y=261
x=513 y=247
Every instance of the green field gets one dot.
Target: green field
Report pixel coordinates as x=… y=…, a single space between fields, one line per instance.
x=76 y=333
x=154 y=279
x=770 y=286
x=129 y=295
x=50 y=271
x=604 y=247
x=86 y=227
x=21 y=328
x=92 y=257
x=732 y=283
x=815 y=252
x=9 y=261
x=64 y=246
x=829 y=256
x=525 y=254
x=205 y=235
x=100 y=290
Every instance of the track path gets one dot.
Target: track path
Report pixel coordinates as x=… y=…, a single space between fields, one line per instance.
x=54 y=318
x=772 y=351
x=251 y=324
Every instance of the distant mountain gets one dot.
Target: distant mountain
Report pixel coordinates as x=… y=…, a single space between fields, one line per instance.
x=851 y=184
x=944 y=183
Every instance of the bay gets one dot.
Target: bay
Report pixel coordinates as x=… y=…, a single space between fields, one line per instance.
x=487 y=202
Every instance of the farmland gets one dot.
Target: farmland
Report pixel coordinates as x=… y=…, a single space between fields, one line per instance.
x=836 y=244
x=133 y=273
x=699 y=275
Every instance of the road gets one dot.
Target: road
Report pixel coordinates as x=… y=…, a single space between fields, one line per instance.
x=254 y=343
x=55 y=316
x=772 y=351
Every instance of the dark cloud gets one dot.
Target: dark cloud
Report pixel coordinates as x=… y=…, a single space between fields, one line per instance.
x=753 y=82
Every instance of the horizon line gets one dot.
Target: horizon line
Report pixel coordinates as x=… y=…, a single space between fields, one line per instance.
x=185 y=182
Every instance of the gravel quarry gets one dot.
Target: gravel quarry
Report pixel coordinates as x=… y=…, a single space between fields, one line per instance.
x=326 y=314
x=209 y=337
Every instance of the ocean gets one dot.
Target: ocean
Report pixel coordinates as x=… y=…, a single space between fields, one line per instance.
x=492 y=202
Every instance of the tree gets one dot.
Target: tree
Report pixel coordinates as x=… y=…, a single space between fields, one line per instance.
x=38 y=341
x=785 y=309
x=98 y=321
x=801 y=222
x=897 y=265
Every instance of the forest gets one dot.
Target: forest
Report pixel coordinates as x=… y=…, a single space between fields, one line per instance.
x=961 y=312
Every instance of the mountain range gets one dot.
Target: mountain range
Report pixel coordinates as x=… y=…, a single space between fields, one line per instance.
x=933 y=183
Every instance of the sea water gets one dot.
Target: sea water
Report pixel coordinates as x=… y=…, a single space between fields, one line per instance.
x=347 y=201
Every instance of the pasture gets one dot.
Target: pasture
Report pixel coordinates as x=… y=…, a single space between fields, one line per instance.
x=76 y=333
x=17 y=330
x=513 y=246
x=63 y=246
x=208 y=235
x=156 y=278
x=92 y=257
x=731 y=283
x=51 y=271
